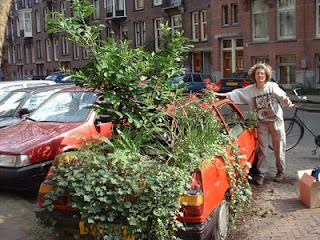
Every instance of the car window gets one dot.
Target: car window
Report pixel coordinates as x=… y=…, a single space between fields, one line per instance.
x=233 y=120
x=187 y=78
x=9 y=104
x=66 y=107
x=36 y=99
x=197 y=78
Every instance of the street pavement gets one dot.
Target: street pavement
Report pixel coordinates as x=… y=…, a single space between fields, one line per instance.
x=276 y=211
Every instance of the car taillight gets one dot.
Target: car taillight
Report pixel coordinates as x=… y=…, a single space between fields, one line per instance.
x=246 y=83
x=192 y=202
x=219 y=83
x=45 y=187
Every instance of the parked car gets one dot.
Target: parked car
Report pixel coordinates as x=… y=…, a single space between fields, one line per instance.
x=67 y=79
x=8 y=86
x=205 y=209
x=28 y=148
x=21 y=102
x=235 y=80
x=192 y=81
x=56 y=77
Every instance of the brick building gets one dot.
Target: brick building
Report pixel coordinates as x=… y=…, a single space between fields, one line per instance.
x=228 y=35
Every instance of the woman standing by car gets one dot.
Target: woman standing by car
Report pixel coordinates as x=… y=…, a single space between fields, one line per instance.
x=265 y=99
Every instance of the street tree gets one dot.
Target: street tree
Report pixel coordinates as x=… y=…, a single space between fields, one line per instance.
x=4 y=11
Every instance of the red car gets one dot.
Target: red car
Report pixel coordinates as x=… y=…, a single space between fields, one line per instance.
x=205 y=209
x=27 y=149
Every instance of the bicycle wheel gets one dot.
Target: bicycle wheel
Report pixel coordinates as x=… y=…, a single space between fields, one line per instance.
x=294 y=133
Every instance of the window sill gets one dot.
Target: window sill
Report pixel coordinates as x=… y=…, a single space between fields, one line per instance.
x=285 y=40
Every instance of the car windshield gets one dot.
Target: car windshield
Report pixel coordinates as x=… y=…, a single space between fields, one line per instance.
x=67 y=107
x=9 y=104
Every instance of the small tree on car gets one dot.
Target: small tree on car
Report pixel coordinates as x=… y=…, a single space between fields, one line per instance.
x=137 y=178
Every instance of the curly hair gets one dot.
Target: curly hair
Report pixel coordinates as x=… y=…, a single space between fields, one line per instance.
x=266 y=67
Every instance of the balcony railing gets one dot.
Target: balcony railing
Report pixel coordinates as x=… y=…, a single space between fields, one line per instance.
x=172 y=3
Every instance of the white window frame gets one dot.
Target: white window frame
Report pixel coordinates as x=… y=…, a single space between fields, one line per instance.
x=48 y=49
x=123 y=32
x=139 y=4
x=12 y=28
x=288 y=65
x=260 y=11
x=65 y=46
x=63 y=9
x=76 y=51
x=14 y=54
x=19 y=52
x=157 y=2
x=157 y=33
x=45 y=15
x=176 y=22
x=55 y=49
x=203 y=26
x=289 y=10
x=195 y=26
x=38 y=20
x=234 y=14
x=9 y=55
x=225 y=15
x=18 y=26
x=318 y=18
x=96 y=11
x=137 y=34
x=85 y=53
x=39 y=49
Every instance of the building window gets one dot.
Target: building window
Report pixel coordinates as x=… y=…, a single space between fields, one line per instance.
x=157 y=2
x=225 y=16
x=39 y=49
x=45 y=14
x=110 y=32
x=55 y=49
x=204 y=25
x=38 y=21
x=18 y=27
x=12 y=28
x=139 y=4
x=96 y=12
x=63 y=10
x=19 y=52
x=262 y=59
x=27 y=50
x=9 y=55
x=234 y=14
x=176 y=22
x=25 y=23
x=287 y=69
x=76 y=51
x=13 y=54
x=65 y=47
x=85 y=53
x=318 y=18
x=286 y=23
x=140 y=33
x=260 y=26
x=33 y=55
x=318 y=70
x=157 y=33
x=195 y=27
x=48 y=49
x=123 y=32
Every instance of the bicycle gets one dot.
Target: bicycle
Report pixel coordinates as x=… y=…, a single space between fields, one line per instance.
x=294 y=125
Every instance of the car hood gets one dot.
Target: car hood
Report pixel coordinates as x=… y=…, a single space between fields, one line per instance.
x=20 y=138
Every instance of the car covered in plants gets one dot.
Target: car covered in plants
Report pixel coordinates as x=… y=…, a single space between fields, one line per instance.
x=205 y=206
x=22 y=102
x=64 y=122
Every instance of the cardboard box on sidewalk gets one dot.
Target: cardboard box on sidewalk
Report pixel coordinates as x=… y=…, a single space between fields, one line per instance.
x=309 y=189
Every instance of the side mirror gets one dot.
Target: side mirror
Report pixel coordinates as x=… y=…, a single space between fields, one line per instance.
x=23 y=111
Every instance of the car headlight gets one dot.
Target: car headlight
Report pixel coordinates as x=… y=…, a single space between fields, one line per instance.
x=14 y=161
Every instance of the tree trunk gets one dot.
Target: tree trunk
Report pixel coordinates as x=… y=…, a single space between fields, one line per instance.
x=4 y=11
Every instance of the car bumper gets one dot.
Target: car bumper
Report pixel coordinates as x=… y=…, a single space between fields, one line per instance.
x=24 y=178
x=67 y=225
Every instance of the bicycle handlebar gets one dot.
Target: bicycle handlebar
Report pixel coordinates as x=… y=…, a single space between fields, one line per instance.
x=304 y=98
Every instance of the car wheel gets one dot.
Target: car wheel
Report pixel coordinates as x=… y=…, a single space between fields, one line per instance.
x=222 y=224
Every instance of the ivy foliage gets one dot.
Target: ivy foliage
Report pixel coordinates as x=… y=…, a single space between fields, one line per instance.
x=136 y=179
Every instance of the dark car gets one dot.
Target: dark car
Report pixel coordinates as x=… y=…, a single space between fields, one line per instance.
x=193 y=82
x=27 y=149
x=205 y=207
x=233 y=81
x=20 y=102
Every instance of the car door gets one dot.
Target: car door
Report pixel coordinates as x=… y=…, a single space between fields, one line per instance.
x=240 y=133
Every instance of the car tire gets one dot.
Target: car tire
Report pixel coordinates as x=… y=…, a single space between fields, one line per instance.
x=222 y=224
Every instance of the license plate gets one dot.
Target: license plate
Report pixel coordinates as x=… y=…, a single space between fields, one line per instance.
x=232 y=84
x=84 y=230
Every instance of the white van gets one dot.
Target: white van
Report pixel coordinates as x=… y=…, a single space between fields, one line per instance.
x=8 y=86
